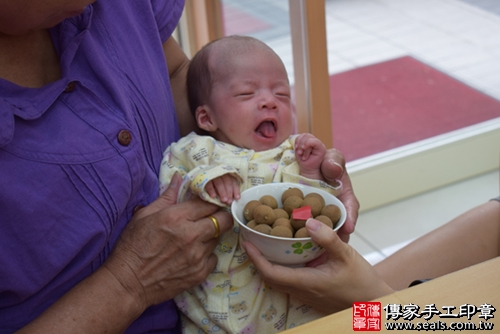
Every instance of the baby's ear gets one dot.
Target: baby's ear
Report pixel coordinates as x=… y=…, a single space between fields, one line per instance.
x=204 y=119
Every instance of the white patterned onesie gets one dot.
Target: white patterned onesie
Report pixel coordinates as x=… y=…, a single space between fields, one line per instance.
x=234 y=299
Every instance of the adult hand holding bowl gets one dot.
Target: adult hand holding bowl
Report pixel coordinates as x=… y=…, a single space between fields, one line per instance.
x=294 y=252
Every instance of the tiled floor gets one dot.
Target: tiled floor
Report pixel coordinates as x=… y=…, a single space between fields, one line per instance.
x=381 y=231
x=450 y=35
x=457 y=37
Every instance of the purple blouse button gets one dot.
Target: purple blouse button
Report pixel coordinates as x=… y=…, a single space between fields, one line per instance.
x=124 y=137
x=70 y=87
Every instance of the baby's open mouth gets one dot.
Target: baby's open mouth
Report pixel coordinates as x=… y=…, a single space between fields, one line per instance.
x=266 y=129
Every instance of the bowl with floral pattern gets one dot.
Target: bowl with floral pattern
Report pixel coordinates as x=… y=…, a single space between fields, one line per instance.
x=292 y=252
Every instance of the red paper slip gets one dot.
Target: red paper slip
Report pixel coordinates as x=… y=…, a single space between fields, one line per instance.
x=302 y=213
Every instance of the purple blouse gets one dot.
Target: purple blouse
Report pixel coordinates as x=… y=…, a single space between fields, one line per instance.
x=77 y=155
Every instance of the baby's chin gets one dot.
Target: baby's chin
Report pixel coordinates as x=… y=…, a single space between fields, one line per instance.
x=259 y=143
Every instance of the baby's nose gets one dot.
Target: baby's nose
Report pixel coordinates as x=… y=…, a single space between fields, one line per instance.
x=267 y=101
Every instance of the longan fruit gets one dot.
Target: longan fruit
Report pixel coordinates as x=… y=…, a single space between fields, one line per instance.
x=281 y=231
x=302 y=233
x=264 y=214
x=297 y=223
x=283 y=222
x=248 y=210
x=263 y=228
x=291 y=192
x=332 y=211
x=318 y=196
x=325 y=220
x=314 y=203
x=292 y=202
x=280 y=213
x=252 y=224
x=269 y=201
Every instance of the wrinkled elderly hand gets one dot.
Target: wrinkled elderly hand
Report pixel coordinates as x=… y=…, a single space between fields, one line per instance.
x=333 y=170
x=332 y=285
x=167 y=248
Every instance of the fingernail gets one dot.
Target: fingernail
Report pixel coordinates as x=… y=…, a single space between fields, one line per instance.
x=137 y=208
x=313 y=224
x=336 y=163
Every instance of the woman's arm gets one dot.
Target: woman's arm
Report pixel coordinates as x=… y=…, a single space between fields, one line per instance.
x=468 y=239
x=178 y=64
x=98 y=304
x=344 y=277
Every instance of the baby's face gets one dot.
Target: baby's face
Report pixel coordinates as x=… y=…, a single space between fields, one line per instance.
x=250 y=101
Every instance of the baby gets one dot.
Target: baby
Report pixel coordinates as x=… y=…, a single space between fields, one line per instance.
x=239 y=92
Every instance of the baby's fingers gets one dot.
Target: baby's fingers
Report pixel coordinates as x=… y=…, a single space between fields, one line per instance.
x=306 y=152
x=210 y=189
x=235 y=185
x=227 y=188
x=300 y=140
x=221 y=190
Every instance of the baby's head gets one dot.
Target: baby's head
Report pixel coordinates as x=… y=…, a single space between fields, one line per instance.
x=239 y=92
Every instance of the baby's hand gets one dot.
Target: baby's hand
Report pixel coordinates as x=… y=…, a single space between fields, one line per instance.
x=225 y=186
x=309 y=153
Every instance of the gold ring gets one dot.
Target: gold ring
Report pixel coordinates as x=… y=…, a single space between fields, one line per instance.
x=216 y=224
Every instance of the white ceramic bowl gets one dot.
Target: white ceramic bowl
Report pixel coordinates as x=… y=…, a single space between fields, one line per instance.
x=285 y=251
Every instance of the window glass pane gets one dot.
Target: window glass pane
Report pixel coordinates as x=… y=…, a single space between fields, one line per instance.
x=400 y=71
x=403 y=71
x=266 y=20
